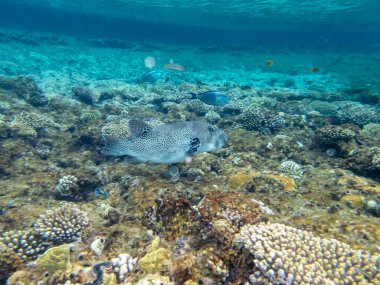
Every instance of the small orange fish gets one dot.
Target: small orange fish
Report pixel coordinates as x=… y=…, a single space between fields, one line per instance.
x=269 y=62
x=175 y=66
x=314 y=69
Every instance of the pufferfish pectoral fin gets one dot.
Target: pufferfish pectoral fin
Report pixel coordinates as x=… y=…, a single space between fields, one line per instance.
x=195 y=143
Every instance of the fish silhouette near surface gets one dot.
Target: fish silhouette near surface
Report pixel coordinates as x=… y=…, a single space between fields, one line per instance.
x=175 y=67
x=150 y=77
x=211 y=97
x=168 y=143
x=314 y=69
x=269 y=62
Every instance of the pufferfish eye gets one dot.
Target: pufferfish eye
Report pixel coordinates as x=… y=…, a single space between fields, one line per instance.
x=211 y=129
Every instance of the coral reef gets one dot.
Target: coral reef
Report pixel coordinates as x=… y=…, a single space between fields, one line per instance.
x=85 y=95
x=10 y=261
x=184 y=269
x=212 y=117
x=372 y=129
x=260 y=102
x=67 y=186
x=198 y=107
x=333 y=134
x=228 y=212
x=155 y=279
x=356 y=113
x=116 y=129
x=50 y=268
x=26 y=244
x=292 y=169
x=297 y=154
x=324 y=108
x=55 y=259
x=172 y=216
x=61 y=225
x=262 y=120
x=156 y=259
x=88 y=115
x=123 y=265
x=286 y=255
x=29 y=123
x=234 y=107
x=24 y=88
x=98 y=245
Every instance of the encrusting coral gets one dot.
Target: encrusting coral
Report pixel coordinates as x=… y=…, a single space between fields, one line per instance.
x=29 y=123
x=10 y=261
x=286 y=255
x=34 y=120
x=333 y=134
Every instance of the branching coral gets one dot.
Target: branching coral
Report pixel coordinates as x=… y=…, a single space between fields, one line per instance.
x=26 y=244
x=286 y=255
x=29 y=123
x=261 y=119
x=63 y=224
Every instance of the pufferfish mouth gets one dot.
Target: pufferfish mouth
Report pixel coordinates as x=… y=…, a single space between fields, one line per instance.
x=223 y=138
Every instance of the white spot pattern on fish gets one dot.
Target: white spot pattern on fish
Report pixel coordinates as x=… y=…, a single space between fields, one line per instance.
x=168 y=143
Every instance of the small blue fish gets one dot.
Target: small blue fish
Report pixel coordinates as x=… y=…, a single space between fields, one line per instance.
x=99 y=192
x=151 y=77
x=211 y=97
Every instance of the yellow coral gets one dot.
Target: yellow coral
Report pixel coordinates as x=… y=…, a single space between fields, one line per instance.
x=240 y=179
x=109 y=278
x=191 y=282
x=353 y=200
x=56 y=259
x=155 y=279
x=287 y=183
x=156 y=257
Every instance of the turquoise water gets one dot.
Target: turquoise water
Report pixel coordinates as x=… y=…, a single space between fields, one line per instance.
x=189 y=142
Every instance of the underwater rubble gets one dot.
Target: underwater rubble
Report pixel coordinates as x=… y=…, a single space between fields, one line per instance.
x=293 y=198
